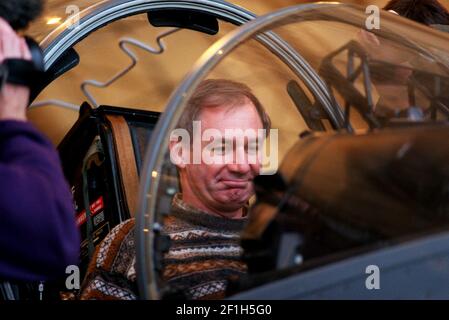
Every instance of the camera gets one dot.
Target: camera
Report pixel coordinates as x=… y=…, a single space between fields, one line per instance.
x=19 y=13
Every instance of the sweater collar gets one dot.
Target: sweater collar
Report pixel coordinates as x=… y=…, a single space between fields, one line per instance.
x=195 y=216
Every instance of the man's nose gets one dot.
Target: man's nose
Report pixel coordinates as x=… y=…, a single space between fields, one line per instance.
x=239 y=168
x=240 y=163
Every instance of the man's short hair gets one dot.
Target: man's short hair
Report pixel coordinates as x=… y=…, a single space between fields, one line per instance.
x=428 y=12
x=220 y=92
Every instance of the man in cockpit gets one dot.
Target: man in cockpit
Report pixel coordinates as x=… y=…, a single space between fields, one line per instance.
x=216 y=180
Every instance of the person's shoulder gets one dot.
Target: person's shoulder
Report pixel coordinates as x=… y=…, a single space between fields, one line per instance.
x=116 y=253
x=111 y=273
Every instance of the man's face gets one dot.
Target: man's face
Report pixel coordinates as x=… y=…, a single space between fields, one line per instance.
x=223 y=189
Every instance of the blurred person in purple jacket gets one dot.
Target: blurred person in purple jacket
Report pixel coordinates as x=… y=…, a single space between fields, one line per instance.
x=38 y=234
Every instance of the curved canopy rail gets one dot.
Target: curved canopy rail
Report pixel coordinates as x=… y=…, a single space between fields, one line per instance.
x=58 y=45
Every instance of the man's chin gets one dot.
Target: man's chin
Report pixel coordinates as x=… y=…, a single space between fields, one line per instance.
x=236 y=197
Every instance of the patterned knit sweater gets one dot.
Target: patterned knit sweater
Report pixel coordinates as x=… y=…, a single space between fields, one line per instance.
x=204 y=253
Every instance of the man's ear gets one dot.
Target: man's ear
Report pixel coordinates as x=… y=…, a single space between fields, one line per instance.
x=179 y=147
x=178 y=154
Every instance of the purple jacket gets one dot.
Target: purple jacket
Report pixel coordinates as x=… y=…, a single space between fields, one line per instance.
x=38 y=235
